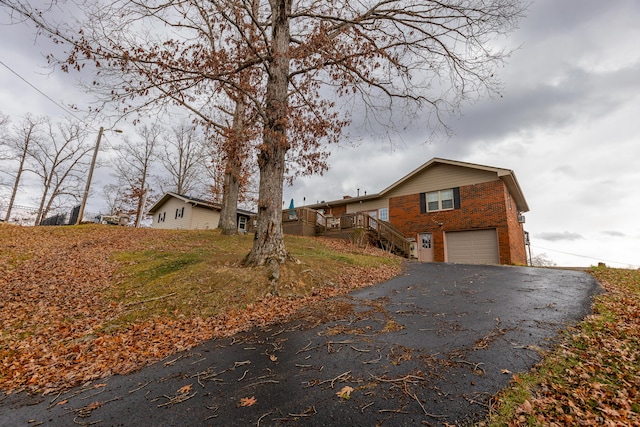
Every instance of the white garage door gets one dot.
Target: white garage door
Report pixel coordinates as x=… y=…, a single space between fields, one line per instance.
x=473 y=247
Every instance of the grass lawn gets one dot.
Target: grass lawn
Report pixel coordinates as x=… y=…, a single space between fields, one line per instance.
x=82 y=302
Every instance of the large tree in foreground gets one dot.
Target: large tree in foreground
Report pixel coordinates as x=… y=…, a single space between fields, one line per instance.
x=426 y=54
x=419 y=56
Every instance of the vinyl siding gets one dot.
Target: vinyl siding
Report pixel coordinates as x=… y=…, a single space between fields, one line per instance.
x=170 y=220
x=440 y=177
x=368 y=205
x=202 y=218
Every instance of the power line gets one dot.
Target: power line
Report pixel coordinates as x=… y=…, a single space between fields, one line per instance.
x=585 y=256
x=38 y=90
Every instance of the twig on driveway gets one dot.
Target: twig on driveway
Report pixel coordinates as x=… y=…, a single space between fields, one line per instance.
x=407 y=378
x=342 y=377
x=181 y=397
x=415 y=397
x=260 y=419
x=307 y=413
x=476 y=366
x=367 y=362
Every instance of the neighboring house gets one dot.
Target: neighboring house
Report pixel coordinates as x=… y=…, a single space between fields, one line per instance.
x=176 y=211
x=451 y=211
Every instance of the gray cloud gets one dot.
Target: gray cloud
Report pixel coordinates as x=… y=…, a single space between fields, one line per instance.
x=614 y=233
x=559 y=236
x=566 y=121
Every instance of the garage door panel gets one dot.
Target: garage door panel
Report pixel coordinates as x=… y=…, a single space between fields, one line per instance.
x=473 y=247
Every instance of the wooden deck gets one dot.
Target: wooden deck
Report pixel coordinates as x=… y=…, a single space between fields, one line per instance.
x=308 y=222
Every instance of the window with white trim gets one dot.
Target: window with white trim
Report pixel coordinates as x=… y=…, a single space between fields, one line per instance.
x=242 y=223
x=383 y=214
x=440 y=200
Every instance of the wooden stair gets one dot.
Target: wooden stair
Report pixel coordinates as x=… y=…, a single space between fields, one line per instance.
x=346 y=226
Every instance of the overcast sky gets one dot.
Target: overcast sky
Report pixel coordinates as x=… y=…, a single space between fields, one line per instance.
x=567 y=123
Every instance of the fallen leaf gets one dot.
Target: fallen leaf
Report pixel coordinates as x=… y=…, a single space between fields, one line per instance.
x=525 y=408
x=505 y=371
x=75 y=290
x=186 y=389
x=62 y=402
x=248 y=401
x=273 y=358
x=345 y=393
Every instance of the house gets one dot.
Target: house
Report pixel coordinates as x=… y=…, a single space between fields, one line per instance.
x=450 y=211
x=176 y=211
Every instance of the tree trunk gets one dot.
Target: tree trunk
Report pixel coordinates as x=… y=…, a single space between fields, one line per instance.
x=41 y=213
x=142 y=197
x=228 y=214
x=268 y=246
x=17 y=181
x=233 y=170
x=140 y=205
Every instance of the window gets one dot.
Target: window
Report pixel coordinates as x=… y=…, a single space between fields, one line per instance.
x=242 y=223
x=433 y=201
x=425 y=240
x=446 y=199
x=383 y=214
x=161 y=216
x=179 y=213
x=440 y=200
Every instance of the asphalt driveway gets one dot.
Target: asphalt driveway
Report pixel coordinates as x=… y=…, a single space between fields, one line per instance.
x=428 y=348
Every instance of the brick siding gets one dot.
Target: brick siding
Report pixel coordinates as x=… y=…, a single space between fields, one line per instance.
x=482 y=206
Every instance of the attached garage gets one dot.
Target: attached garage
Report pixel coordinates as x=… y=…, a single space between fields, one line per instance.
x=472 y=247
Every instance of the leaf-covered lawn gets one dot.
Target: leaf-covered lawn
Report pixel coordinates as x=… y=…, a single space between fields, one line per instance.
x=593 y=378
x=80 y=303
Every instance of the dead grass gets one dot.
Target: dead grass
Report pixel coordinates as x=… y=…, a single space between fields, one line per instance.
x=79 y=303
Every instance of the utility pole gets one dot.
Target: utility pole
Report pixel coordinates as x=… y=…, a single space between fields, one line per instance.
x=86 y=188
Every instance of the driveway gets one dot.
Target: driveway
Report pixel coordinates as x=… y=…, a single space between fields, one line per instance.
x=427 y=348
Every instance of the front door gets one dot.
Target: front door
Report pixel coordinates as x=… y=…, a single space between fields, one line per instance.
x=425 y=247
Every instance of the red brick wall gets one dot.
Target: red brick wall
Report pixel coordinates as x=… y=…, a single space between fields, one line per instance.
x=482 y=206
x=516 y=234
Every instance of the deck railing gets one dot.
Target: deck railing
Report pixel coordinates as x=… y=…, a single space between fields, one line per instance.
x=384 y=232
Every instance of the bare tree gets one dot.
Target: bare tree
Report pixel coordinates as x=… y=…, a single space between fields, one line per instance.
x=214 y=173
x=4 y=123
x=390 y=51
x=59 y=160
x=19 y=143
x=183 y=156
x=542 y=260
x=133 y=167
x=421 y=57
x=113 y=195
